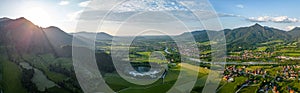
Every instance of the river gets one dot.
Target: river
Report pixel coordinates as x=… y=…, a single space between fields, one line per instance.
x=166 y=50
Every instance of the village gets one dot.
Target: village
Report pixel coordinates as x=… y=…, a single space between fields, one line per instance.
x=267 y=79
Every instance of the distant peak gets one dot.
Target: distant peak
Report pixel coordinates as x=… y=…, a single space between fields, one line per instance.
x=257 y=25
x=4 y=19
x=103 y=33
x=52 y=27
x=23 y=19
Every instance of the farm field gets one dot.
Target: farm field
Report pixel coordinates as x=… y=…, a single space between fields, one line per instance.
x=11 y=77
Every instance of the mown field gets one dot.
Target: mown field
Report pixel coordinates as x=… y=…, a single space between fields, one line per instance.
x=122 y=86
x=44 y=61
x=145 y=57
x=249 y=89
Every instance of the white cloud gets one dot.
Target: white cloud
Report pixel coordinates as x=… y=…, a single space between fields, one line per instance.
x=150 y=5
x=131 y=7
x=284 y=19
x=259 y=19
x=146 y=5
x=160 y=14
x=64 y=3
x=228 y=15
x=239 y=6
x=278 y=19
x=84 y=4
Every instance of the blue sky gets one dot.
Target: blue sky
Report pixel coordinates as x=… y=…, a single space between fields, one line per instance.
x=258 y=8
x=232 y=14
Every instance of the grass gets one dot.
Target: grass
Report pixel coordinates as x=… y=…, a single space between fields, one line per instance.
x=292 y=84
x=11 y=77
x=290 y=51
x=206 y=52
x=41 y=81
x=272 y=42
x=293 y=54
x=231 y=87
x=194 y=68
x=148 y=60
x=163 y=88
x=263 y=48
x=295 y=85
x=273 y=70
x=56 y=90
x=43 y=62
x=145 y=57
x=117 y=83
x=250 y=89
x=146 y=54
x=254 y=67
x=285 y=50
x=207 y=43
x=234 y=53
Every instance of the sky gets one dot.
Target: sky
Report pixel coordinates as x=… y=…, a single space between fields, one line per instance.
x=153 y=16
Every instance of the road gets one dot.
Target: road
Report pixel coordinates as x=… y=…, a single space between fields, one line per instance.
x=236 y=63
x=223 y=63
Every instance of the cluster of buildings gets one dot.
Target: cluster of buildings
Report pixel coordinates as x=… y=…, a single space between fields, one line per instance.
x=290 y=72
x=188 y=50
x=231 y=71
x=248 y=54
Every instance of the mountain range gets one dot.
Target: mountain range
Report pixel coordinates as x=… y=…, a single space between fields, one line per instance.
x=21 y=36
x=249 y=37
x=26 y=37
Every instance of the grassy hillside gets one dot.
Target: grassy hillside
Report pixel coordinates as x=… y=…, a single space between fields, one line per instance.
x=11 y=77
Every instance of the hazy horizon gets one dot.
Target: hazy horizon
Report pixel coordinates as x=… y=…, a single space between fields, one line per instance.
x=232 y=14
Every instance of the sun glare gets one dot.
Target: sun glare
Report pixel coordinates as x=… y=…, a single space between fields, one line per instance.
x=38 y=16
